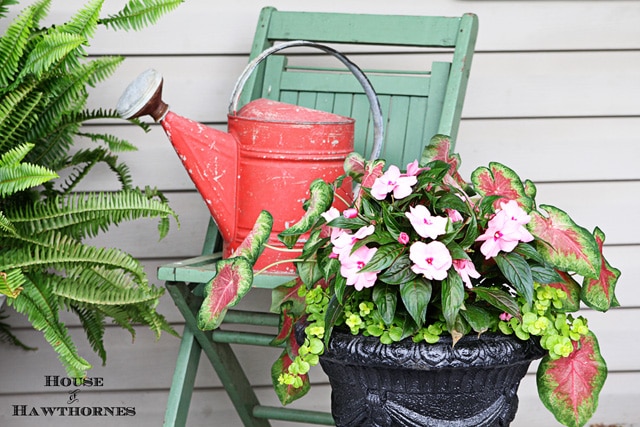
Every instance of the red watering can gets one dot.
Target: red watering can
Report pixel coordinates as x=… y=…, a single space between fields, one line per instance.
x=267 y=160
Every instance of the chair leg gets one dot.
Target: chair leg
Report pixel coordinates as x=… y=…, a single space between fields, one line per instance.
x=183 y=380
x=221 y=356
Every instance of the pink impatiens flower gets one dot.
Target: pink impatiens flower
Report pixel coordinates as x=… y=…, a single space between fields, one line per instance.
x=350 y=213
x=466 y=270
x=352 y=264
x=454 y=215
x=403 y=238
x=505 y=230
x=432 y=259
x=393 y=181
x=343 y=241
x=425 y=224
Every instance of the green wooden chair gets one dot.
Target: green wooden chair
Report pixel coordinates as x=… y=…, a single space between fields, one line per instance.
x=415 y=106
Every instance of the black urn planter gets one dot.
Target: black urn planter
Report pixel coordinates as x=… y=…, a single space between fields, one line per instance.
x=473 y=384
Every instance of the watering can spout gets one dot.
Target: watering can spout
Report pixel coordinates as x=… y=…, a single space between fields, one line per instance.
x=209 y=155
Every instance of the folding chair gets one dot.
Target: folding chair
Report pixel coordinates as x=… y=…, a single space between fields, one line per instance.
x=415 y=105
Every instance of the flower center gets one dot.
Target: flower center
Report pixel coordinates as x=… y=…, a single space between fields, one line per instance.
x=497 y=235
x=429 y=260
x=360 y=265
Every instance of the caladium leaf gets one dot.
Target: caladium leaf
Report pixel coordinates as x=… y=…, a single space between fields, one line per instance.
x=569 y=386
x=439 y=148
x=354 y=166
x=287 y=393
x=253 y=245
x=599 y=293
x=500 y=180
x=565 y=244
x=287 y=322
x=232 y=281
x=373 y=170
x=320 y=201
x=416 y=295
x=288 y=293
x=571 y=288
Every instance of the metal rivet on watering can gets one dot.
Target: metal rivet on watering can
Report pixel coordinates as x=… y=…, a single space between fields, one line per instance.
x=267 y=160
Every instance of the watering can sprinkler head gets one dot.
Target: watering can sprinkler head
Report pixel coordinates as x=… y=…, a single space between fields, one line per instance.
x=143 y=97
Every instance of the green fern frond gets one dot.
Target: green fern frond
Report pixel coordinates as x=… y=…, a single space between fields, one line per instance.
x=85 y=21
x=15 y=155
x=60 y=252
x=102 y=68
x=87 y=289
x=93 y=323
x=114 y=143
x=157 y=323
x=6 y=226
x=4 y=6
x=40 y=11
x=20 y=177
x=85 y=215
x=15 y=125
x=86 y=159
x=120 y=316
x=51 y=49
x=12 y=44
x=39 y=304
x=138 y=14
x=11 y=282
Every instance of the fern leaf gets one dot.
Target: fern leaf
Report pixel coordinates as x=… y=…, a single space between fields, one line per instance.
x=93 y=324
x=41 y=308
x=138 y=14
x=11 y=282
x=102 y=68
x=15 y=126
x=85 y=215
x=114 y=143
x=4 y=6
x=15 y=155
x=50 y=50
x=40 y=11
x=120 y=316
x=6 y=225
x=13 y=43
x=62 y=253
x=85 y=21
x=20 y=177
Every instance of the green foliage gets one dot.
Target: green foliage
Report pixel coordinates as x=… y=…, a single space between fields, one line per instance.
x=45 y=265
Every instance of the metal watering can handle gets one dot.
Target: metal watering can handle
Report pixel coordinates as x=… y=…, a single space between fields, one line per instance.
x=376 y=111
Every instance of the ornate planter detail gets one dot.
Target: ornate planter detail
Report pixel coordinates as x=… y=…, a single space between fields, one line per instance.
x=473 y=384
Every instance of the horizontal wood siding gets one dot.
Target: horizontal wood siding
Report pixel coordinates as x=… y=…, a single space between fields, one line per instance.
x=553 y=94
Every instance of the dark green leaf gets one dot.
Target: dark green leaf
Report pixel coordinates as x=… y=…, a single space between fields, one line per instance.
x=478 y=318
x=416 y=295
x=517 y=271
x=384 y=257
x=386 y=299
x=452 y=295
x=398 y=272
x=498 y=298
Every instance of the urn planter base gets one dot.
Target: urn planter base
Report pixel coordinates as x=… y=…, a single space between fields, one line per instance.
x=471 y=384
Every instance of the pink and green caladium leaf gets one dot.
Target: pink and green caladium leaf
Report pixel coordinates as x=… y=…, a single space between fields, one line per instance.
x=287 y=322
x=571 y=288
x=288 y=293
x=253 y=245
x=565 y=244
x=354 y=165
x=232 y=281
x=500 y=180
x=569 y=386
x=439 y=148
x=321 y=197
x=599 y=293
x=288 y=393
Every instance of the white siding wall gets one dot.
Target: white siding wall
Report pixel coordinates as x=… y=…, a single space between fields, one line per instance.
x=553 y=93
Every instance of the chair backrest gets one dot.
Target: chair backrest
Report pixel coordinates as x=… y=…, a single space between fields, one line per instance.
x=416 y=105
